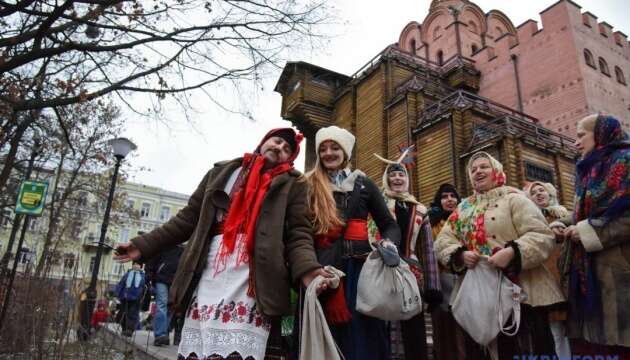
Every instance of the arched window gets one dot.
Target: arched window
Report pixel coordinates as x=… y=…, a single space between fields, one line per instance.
x=603 y=66
x=588 y=58
x=436 y=33
x=620 y=77
x=440 y=58
x=473 y=27
x=499 y=31
x=412 y=46
x=474 y=49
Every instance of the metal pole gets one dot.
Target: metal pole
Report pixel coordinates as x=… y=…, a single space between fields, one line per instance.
x=90 y=292
x=7 y=295
x=4 y=263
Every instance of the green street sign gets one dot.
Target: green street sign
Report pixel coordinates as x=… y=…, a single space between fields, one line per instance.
x=32 y=198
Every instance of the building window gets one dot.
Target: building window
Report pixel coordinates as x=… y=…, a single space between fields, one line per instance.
x=131 y=203
x=602 y=30
x=146 y=209
x=440 y=58
x=6 y=218
x=83 y=199
x=590 y=60
x=53 y=258
x=499 y=32
x=90 y=238
x=33 y=224
x=165 y=213
x=620 y=77
x=68 y=261
x=537 y=173
x=603 y=67
x=412 y=46
x=585 y=20
x=76 y=228
x=474 y=49
x=124 y=235
x=473 y=27
x=118 y=269
x=25 y=256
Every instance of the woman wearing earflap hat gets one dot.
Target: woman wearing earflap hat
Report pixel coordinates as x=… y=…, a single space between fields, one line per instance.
x=408 y=337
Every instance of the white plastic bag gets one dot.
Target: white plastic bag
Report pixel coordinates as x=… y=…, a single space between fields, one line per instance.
x=387 y=293
x=485 y=301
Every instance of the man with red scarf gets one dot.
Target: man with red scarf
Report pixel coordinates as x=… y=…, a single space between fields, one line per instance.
x=250 y=241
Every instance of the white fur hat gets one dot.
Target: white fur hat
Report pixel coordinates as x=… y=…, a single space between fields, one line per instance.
x=341 y=136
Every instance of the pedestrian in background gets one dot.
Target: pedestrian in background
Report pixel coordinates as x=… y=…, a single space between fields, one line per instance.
x=100 y=315
x=160 y=272
x=130 y=291
x=595 y=259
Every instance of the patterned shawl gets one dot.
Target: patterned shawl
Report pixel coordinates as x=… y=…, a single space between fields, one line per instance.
x=603 y=181
x=602 y=188
x=467 y=221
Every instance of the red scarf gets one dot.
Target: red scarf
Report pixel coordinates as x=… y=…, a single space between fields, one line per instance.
x=253 y=183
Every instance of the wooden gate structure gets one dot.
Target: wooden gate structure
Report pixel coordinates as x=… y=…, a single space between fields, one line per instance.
x=398 y=99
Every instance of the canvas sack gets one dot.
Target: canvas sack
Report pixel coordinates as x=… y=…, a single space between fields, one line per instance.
x=385 y=292
x=485 y=302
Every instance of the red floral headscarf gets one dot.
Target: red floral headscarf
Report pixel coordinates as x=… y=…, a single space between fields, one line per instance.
x=498 y=176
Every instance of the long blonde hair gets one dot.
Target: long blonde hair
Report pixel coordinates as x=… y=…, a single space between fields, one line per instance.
x=321 y=202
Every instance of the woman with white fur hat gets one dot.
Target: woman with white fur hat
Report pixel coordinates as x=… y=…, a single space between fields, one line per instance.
x=408 y=337
x=340 y=201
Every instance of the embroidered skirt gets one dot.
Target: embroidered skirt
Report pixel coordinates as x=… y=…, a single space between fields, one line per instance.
x=222 y=320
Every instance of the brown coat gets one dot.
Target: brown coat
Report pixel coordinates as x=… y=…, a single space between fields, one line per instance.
x=283 y=250
x=610 y=246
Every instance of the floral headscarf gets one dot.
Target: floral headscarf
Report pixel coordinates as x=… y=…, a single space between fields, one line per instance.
x=468 y=220
x=498 y=176
x=602 y=185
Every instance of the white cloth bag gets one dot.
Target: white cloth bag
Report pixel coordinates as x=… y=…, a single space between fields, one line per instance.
x=316 y=341
x=485 y=301
x=387 y=293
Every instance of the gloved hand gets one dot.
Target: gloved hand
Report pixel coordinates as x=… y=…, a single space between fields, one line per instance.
x=388 y=252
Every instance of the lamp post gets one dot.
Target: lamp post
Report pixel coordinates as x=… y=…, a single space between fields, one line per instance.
x=121 y=147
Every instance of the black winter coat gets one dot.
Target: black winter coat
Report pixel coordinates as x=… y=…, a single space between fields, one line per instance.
x=162 y=268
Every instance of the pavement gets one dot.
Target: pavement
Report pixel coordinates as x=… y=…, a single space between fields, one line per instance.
x=142 y=341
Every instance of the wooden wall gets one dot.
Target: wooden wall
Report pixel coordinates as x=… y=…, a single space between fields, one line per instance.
x=370 y=101
x=382 y=120
x=434 y=161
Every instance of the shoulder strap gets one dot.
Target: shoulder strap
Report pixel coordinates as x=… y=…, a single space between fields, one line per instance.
x=355 y=197
x=511 y=328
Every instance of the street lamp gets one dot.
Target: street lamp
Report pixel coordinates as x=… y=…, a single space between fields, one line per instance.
x=121 y=147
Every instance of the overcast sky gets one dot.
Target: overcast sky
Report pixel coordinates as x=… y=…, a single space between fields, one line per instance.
x=176 y=155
